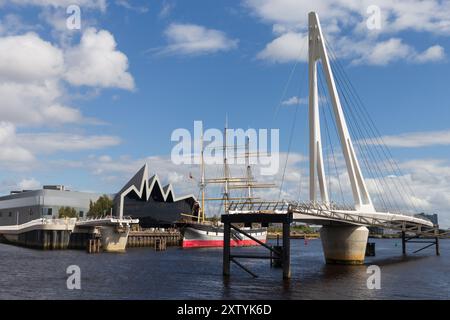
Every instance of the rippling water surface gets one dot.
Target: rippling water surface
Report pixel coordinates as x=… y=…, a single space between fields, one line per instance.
x=177 y=273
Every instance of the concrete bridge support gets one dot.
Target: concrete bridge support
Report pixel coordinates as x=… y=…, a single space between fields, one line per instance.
x=114 y=238
x=344 y=244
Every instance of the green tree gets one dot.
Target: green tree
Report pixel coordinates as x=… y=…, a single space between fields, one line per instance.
x=100 y=207
x=67 y=212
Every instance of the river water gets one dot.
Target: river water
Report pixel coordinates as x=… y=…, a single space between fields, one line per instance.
x=142 y=273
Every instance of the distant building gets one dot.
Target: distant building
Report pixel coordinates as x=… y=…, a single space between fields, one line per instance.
x=376 y=230
x=142 y=197
x=382 y=231
x=146 y=199
x=26 y=205
x=431 y=217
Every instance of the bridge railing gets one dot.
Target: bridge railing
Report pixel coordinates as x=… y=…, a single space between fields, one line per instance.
x=337 y=213
x=258 y=206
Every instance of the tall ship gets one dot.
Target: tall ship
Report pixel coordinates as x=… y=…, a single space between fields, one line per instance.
x=200 y=232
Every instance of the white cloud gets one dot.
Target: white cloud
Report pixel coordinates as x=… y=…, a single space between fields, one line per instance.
x=294 y=101
x=29 y=58
x=39 y=80
x=430 y=180
x=30 y=69
x=434 y=53
x=431 y=16
x=91 y=4
x=385 y=52
x=29 y=184
x=53 y=142
x=16 y=183
x=287 y=47
x=416 y=139
x=166 y=9
x=10 y=151
x=96 y=62
x=344 y=24
x=32 y=72
x=285 y=12
x=127 y=5
x=35 y=104
x=191 y=39
x=23 y=148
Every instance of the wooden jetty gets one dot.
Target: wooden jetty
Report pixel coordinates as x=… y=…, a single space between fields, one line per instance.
x=157 y=238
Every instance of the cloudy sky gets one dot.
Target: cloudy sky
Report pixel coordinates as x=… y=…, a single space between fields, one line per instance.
x=87 y=107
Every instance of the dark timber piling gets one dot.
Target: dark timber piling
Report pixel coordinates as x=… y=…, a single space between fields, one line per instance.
x=403 y=243
x=93 y=245
x=281 y=256
x=370 y=249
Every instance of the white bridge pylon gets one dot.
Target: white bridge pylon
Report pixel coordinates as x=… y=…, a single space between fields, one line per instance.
x=363 y=202
x=344 y=231
x=318 y=51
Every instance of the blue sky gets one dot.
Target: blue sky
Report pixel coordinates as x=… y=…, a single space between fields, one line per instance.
x=87 y=107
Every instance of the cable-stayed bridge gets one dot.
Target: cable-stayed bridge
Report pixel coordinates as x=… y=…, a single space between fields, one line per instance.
x=314 y=213
x=344 y=232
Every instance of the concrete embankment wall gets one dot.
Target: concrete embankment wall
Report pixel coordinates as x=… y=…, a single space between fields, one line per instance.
x=40 y=239
x=57 y=240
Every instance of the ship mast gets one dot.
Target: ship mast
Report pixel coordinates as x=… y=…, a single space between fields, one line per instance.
x=229 y=182
x=202 y=183
x=249 y=169
x=225 y=169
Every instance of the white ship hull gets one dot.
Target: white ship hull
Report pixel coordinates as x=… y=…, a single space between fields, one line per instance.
x=200 y=236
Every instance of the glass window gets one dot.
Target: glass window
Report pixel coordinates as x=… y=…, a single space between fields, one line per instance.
x=81 y=214
x=10 y=214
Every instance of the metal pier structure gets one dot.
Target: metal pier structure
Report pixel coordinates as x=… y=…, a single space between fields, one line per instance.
x=279 y=253
x=413 y=230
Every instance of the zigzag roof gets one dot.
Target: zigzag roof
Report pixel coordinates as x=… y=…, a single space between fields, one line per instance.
x=144 y=187
x=140 y=183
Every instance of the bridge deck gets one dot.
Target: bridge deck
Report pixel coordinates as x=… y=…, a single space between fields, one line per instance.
x=324 y=214
x=108 y=220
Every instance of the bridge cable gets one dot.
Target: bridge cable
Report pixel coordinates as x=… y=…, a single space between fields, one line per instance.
x=365 y=117
x=289 y=149
x=324 y=113
x=286 y=86
x=374 y=171
x=294 y=118
x=358 y=132
x=355 y=132
x=386 y=151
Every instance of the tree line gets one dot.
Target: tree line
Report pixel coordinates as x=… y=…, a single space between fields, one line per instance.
x=98 y=208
